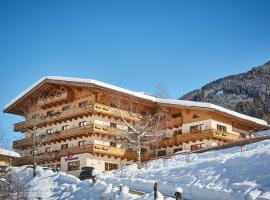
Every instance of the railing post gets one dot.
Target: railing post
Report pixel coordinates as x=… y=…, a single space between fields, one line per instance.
x=155 y=190
x=178 y=194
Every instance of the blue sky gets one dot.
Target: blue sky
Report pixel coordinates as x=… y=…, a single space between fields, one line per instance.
x=136 y=44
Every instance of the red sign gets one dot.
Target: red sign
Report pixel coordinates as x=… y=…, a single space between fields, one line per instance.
x=70 y=156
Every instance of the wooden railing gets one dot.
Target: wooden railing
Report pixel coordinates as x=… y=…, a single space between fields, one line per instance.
x=188 y=137
x=116 y=112
x=108 y=150
x=57 y=117
x=67 y=134
x=132 y=156
x=75 y=112
x=57 y=98
x=57 y=154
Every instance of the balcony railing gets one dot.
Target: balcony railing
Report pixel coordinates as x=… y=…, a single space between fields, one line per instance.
x=188 y=137
x=67 y=134
x=76 y=112
x=108 y=150
x=57 y=98
x=57 y=154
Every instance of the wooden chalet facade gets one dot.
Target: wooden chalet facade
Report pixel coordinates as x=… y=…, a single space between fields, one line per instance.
x=78 y=124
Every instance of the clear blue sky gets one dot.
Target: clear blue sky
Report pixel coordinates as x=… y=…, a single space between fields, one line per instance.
x=136 y=44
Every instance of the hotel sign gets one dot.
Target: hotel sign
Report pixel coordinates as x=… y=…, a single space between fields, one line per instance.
x=70 y=156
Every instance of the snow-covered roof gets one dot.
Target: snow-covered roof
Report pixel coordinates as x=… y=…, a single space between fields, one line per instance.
x=9 y=153
x=141 y=95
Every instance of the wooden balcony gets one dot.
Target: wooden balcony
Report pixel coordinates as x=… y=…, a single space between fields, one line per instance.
x=57 y=154
x=77 y=112
x=115 y=112
x=57 y=117
x=57 y=98
x=108 y=150
x=192 y=137
x=67 y=135
x=132 y=156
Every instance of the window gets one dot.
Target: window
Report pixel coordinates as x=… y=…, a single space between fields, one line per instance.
x=110 y=166
x=113 y=125
x=83 y=104
x=177 y=132
x=81 y=143
x=82 y=124
x=113 y=144
x=66 y=127
x=176 y=115
x=50 y=113
x=48 y=149
x=64 y=146
x=196 y=129
x=195 y=147
x=177 y=149
x=49 y=131
x=75 y=165
x=196 y=116
x=66 y=108
x=162 y=153
x=221 y=128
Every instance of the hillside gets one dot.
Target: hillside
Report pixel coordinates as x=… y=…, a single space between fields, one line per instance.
x=247 y=93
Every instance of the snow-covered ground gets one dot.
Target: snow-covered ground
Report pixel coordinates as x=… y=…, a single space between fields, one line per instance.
x=222 y=174
x=48 y=185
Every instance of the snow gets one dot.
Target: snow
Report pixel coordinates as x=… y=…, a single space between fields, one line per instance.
x=141 y=95
x=226 y=174
x=49 y=185
x=9 y=153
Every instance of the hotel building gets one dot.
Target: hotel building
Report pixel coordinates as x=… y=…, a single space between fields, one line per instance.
x=79 y=124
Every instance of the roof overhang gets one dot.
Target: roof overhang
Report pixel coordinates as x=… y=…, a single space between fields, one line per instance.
x=89 y=82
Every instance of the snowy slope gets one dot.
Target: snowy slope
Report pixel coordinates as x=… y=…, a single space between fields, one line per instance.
x=223 y=174
x=48 y=185
x=226 y=174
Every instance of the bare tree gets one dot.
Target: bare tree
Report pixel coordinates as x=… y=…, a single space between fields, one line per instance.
x=161 y=91
x=37 y=138
x=140 y=131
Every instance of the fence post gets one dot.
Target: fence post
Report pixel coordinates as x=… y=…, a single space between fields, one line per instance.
x=155 y=190
x=178 y=194
x=120 y=188
x=94 y=179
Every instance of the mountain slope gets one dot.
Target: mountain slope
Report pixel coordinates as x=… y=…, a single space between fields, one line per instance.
x=247 y=93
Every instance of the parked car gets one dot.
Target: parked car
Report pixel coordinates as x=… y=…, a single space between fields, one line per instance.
x=86 y=173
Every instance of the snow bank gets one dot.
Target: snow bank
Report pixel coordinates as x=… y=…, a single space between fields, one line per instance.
x=223 y=174
x=48 y=185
